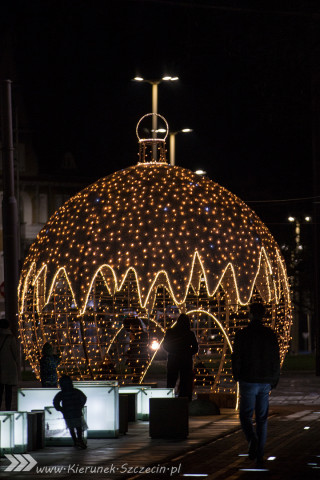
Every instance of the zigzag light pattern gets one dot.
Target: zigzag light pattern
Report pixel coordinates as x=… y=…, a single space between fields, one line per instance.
x=136 y=244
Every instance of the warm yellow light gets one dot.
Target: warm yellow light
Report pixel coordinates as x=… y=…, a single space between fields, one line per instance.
x=149 y=242
x=155 y=345
x=169 y=78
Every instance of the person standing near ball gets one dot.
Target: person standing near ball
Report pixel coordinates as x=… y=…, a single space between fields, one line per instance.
x=256 y=366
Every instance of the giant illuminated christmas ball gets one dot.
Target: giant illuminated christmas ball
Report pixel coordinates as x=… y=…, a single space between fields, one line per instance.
x=114 y=266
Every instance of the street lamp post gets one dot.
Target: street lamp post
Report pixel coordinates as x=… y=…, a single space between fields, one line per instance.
x=296 y=253
x=155 y=83
x=9 y=214
x=154 y=109
x=172 y=138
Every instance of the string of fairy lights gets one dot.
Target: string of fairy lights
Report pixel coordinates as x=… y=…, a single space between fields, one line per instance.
x=114 y=266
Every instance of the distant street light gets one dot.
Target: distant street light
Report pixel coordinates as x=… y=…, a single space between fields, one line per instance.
x=200 y=172
x=155 y=84
x=297 y=229
x=295 y=256
x=172 y=137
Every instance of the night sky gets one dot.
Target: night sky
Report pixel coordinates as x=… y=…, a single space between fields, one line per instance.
x=245 y=70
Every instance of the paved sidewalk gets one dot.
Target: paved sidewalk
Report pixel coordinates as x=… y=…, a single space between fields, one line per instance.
x=292 y=451
x=297 y=388
x=125 y=456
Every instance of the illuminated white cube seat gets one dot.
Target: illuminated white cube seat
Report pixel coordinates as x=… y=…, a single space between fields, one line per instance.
x=6 y=432
x=102 y=405
x=35 y=398
x=144 y=393
x=144 y=399
x=13 y=432
x=20 y=433
x=56 y=431
x=134 y=408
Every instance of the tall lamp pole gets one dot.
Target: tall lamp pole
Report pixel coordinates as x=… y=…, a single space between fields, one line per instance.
x=155 y=84
x=9 y=214
x=295 y=258
x=172 y=137
x=154 y=108
x=315 y=91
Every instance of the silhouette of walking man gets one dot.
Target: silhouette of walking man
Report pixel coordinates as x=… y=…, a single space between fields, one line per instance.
x=181 y=344
x=256 y=365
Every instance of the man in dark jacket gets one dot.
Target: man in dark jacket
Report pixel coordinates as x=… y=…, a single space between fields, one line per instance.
x=181 y=344
x=256 y=365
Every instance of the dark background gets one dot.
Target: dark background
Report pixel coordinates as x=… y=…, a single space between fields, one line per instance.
x=246 y=68
x=245 y=83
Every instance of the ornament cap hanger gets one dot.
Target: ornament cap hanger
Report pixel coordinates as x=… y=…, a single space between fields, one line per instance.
x=152 y=149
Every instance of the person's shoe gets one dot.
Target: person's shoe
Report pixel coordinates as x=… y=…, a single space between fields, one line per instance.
x=253 y=445
x=260 y=462
x=82 y=445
